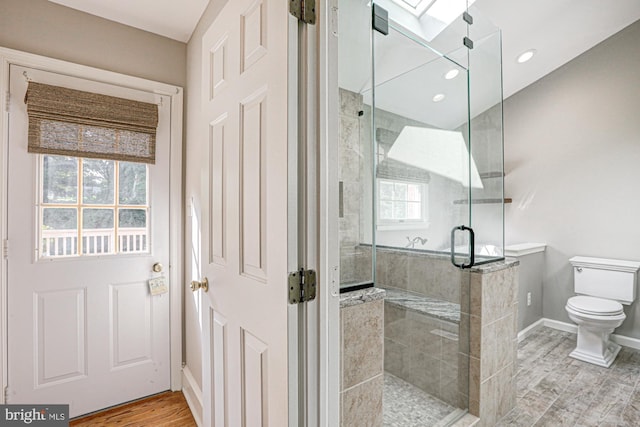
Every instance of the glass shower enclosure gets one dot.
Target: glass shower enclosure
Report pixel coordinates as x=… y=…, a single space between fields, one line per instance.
x=421 y=186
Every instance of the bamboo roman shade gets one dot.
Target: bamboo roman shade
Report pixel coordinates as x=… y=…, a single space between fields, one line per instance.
x=71 y=122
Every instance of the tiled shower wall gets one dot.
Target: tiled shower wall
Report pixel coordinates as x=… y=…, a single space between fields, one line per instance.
x=361 y=362
x=423 y=273
x=472 y=363
x=355 y=266
x=493 y=340
x=424 y=350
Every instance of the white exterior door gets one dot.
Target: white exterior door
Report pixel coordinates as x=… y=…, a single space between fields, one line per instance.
x=244 y=215
x=83 y=236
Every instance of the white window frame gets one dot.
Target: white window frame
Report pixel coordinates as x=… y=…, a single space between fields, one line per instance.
x=402 y=224
x=79 y=205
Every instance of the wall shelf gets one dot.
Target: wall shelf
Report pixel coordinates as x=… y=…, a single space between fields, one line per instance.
x=482 y=201
x=494 y=174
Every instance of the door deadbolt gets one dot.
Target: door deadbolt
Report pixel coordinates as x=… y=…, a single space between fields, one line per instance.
x=204 y=285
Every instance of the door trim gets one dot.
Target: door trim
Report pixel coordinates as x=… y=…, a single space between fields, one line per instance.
x=316 y=54
x=14 y=57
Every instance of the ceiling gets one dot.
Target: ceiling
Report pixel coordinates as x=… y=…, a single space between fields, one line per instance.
x=408 y=75
x=175 y=19
x=559 y=30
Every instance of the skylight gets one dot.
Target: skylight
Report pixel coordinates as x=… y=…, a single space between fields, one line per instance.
x=445 y=11
x=413 y=3
x=448 y=10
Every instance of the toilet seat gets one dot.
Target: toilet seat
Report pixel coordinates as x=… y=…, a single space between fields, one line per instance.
x=594 y=306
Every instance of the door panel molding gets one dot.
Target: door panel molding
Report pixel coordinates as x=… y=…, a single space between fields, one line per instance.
x=253 y=197
x=130 y=310
x=217 y=190
x=219 y=368
x=174 y=95
x=254 y=380
x=61 y=310
x=253 y=35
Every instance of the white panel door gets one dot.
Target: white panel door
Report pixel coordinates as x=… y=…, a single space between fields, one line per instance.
x=244 y=215
x=83 y=237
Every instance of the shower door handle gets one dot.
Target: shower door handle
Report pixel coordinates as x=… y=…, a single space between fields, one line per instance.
x=472 y=252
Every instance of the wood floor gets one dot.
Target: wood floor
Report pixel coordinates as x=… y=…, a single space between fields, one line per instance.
x=555 y=390
x=162 y=410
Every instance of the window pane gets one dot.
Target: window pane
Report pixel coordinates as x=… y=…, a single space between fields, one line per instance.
x=97 y=218
x=133 y=184
x=97 y=231
x=98 y=182
x=386 y=190
x=59 y=179
x=400 y=210
x=59 y=232
x=414 y=210
x=386 y=210
x=132 y=230
x=59 y=219
x=400 y=191
x=132 y=218
x=414 y=193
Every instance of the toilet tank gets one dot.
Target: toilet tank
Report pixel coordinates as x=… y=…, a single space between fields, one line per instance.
x=605 y=278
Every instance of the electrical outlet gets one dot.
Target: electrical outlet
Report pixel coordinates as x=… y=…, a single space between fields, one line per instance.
x=528 y=299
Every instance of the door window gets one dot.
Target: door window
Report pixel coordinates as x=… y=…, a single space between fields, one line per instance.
x=92 y=207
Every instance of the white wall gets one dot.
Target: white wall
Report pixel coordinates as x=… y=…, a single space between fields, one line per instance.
x=197 y=134
x=49 y=29
x=572 y=163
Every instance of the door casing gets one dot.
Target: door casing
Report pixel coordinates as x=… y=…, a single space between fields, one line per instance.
x=9 y=57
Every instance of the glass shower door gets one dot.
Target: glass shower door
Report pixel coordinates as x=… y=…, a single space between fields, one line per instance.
x=424 y=176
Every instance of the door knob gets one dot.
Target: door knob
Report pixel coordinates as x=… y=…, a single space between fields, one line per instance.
x=204 y=285
x=157 y=267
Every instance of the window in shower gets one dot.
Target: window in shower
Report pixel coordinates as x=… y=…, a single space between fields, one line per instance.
x=402 y=203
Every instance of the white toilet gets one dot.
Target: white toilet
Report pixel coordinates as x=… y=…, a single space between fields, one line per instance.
x=602 y=285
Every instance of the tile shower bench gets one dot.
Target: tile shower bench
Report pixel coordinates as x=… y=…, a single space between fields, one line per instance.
x=443 y=310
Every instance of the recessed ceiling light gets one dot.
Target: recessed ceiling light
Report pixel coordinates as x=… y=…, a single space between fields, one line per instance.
x=451 y=74
x=525 y=56
x=439 y=97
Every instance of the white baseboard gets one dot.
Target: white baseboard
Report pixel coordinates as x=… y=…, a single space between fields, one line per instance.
x=193 y=394
x=561 y=326
x=626 y=341
x=570 y=327
x=530 y=329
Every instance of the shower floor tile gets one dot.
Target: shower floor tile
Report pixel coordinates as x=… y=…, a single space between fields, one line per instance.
x=557 y=390
x=405 y=405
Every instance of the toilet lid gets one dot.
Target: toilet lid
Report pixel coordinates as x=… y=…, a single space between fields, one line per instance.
x=593 y=305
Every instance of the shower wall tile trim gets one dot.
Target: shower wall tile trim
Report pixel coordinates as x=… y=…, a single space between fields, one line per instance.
x=493 y=341
x=361 y=362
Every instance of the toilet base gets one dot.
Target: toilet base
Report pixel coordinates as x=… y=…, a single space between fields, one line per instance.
x=604 y=358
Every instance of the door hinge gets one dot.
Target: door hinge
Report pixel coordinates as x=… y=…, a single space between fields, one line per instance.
x=304 y=10
x=7 y=101
x=5 y=248
x=302 y=286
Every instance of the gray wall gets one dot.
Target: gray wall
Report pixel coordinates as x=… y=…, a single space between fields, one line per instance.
x=48 y=29
x=530 y=281
x=572 y=163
